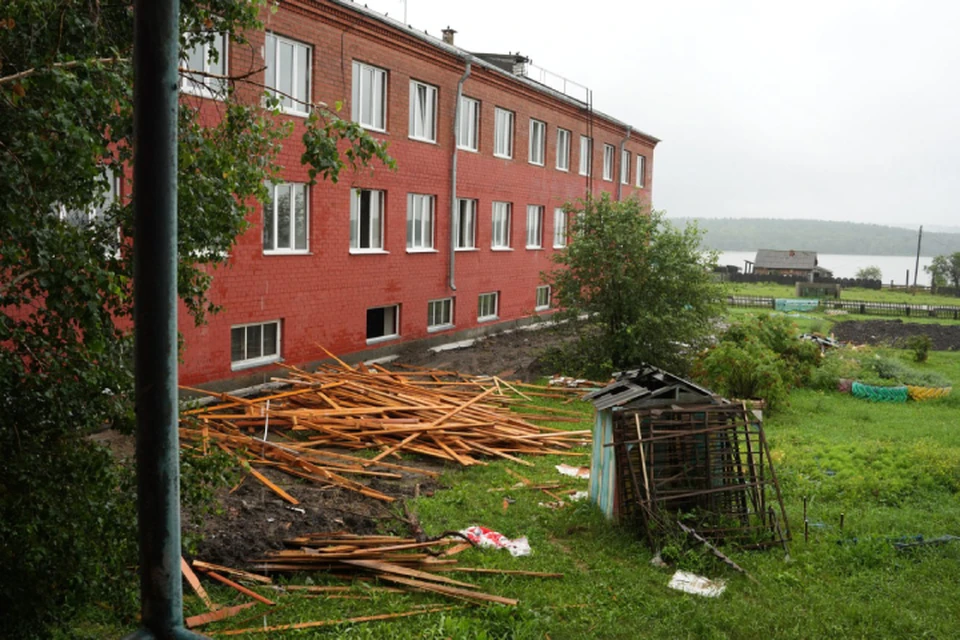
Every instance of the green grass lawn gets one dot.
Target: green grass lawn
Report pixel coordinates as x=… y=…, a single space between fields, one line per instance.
x=892 y=470
x=869 y=295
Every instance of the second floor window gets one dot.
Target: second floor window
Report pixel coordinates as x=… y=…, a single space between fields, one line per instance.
x=538 y=141
x=285 y=218
x=288 y=73
x=534 y=226
x=469 y=124
x=503 y=134
x=423 y=111
x=501 y=226
x=419 y=222
x=369 y=102
x=206 y=57
x=465 y=224
x=366 y=220
x=624 y=167
x=641 y=170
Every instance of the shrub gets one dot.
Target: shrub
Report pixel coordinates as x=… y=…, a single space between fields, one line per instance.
x=837 y=364
x=743 y=370
x=920 y=345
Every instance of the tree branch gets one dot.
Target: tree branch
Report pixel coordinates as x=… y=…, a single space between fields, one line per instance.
x=58 y=65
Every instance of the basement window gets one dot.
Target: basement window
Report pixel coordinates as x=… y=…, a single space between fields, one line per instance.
x=253 y=345
x=439 y=314
x=543 y=298
x=383 y=323
x=488 y=306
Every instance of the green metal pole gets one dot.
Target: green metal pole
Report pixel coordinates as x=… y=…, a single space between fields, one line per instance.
x=155 y=100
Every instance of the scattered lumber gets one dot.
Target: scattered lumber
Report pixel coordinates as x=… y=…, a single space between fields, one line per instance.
x=216 y=616
x=309 y=428
x=327 y=623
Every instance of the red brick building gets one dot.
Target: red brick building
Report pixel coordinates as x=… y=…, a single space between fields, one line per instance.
x=451 y=243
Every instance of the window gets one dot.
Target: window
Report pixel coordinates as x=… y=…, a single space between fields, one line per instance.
x=383 y=323
x=503 y=134
x=469 y=123
x=641 y=170
x=538 y=141
x=608 y=156
x=586 y=155
x=563 y=150
x=288 y=73
x=285 y=219
x=534 y=226
x=501 y=226
x=419 y=222
x=559 y=228
x=543 y=298
x=366 y=220
x=96 y=211
x=423 y=111
x=488 y=306
x=206 y=57
x=624 y=167
x=254 y=344
x=439 y=314
x=465 y=224
x=369 y=102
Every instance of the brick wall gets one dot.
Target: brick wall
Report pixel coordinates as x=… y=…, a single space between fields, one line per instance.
x=322 y=297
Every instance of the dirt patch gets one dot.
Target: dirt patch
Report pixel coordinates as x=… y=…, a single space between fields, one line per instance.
x=514 y=355
x=896 y=332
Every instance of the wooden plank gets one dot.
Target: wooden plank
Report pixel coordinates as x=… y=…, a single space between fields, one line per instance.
x=280 y=492
x=473 y=596
x=230 y=583
x=243 y=575
x=194 y=582
x=328 y=623
x=387 y=567
x=215 y=616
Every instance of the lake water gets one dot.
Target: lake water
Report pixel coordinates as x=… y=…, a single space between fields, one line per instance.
x=844 y=266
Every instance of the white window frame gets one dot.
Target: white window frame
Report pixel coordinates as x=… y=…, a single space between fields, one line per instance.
x=205 y=86
x=299 y=105
x=625 y=167
x=538 y=142
x=490 y=303
x=421 y=210
x=641 y=170
x=271 y=218
x=95 y=210
x=423 y=112
x=543 y=298
x=374 y=238
x=440 y=314
x=469 y=124
x=466 y=212
x=534 y=226
x=586 y=155
x=559 y=228
x=503 y=133
x=563 y=149
x=502 y=212
x=608 y=159
x=377 y=97
x=396 y=324
x=246 y=363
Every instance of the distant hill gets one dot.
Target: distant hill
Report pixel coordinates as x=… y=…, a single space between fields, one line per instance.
x=750 y=234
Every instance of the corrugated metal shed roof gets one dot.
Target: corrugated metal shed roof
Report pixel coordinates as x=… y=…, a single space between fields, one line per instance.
x=644 y=383
x=772 y=259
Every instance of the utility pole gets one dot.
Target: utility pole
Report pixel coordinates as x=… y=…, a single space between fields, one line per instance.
x=916 y=268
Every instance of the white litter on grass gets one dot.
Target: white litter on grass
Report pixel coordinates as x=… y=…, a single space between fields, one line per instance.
x=579 y=495
x=574 y=472
x=485 y=537
x=697 y=585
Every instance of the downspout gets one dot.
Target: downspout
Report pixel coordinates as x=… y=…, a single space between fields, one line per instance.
x=453 y=180
x=620 y=177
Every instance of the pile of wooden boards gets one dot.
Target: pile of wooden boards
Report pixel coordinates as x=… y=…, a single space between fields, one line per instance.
x=308 y=429
x=405 y=564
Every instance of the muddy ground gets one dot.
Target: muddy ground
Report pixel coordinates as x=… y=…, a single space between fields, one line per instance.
x=896 y=332
x=252 y=519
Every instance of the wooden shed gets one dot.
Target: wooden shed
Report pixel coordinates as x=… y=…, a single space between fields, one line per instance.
x=642 y=388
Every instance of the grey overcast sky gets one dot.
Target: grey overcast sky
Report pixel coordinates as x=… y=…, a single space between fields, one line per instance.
x=837 y=110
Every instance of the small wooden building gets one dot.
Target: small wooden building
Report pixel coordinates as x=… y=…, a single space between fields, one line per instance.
x=803 y=265
x=665 y=448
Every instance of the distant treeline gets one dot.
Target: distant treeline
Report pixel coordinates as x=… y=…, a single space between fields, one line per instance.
x=750 y=234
